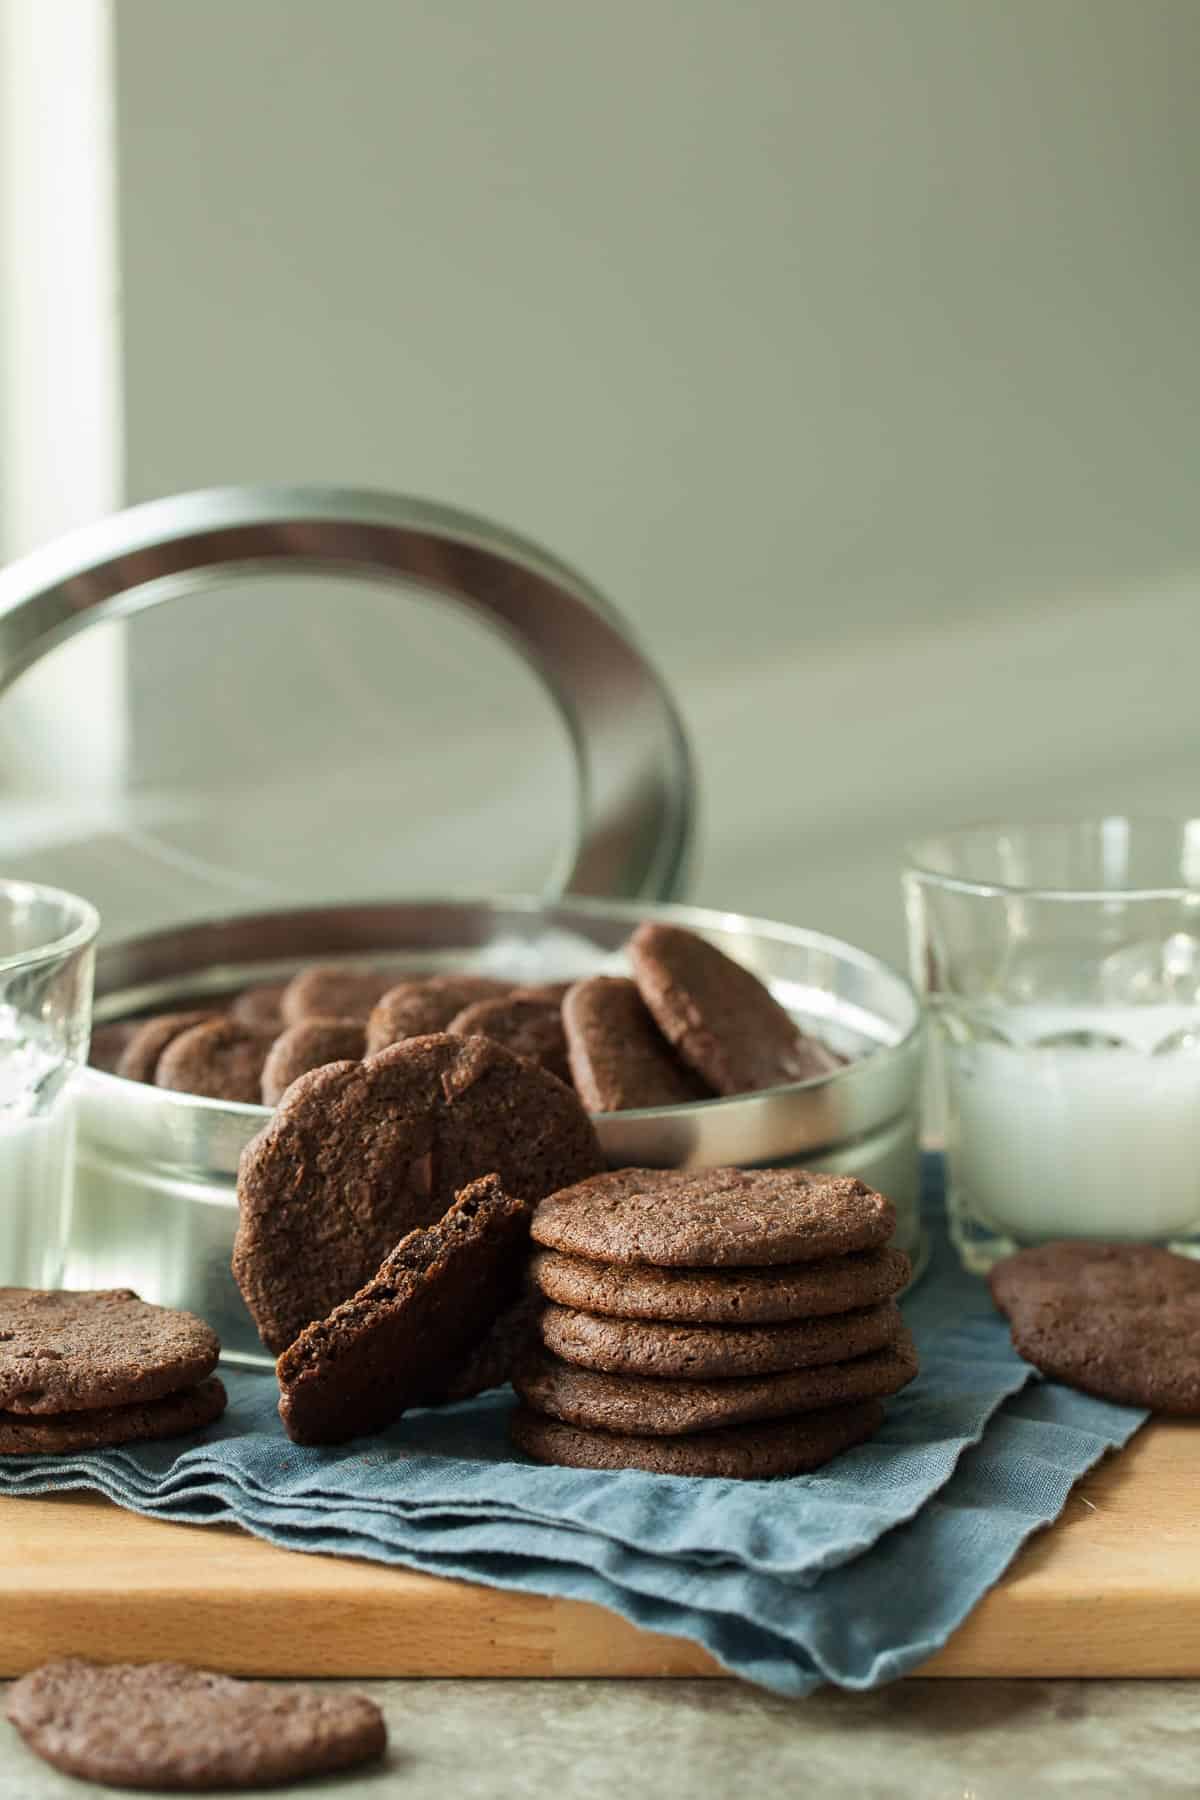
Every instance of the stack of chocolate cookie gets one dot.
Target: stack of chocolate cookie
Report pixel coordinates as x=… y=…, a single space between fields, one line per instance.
x=89 y=1370
x=718 y=1322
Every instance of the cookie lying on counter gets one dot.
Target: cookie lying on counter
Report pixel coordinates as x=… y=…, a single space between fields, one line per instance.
x=689 y=1025
x=168 y=1726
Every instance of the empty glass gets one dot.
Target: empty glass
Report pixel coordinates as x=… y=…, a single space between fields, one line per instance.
x=47 y=942
x=1061 y=968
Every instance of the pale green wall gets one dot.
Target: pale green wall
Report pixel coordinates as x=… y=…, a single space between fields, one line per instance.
x=850 y=346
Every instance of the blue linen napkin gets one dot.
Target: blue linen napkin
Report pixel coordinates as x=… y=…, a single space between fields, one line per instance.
x=853 y=1575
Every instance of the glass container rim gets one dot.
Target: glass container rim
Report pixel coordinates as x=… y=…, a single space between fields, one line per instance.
x=920 y=865
x=77 y=937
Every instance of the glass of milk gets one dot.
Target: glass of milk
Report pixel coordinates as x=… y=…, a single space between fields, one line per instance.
x=1060 y=964
x=47 y=940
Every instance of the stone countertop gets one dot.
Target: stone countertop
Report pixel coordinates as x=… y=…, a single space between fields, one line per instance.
x=951 y=1740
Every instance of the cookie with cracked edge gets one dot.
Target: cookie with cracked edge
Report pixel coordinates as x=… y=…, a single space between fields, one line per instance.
x=424 y=1004
x=332 y=991
x=261 y=1005
x=309 y=1045
x=434 y=1298
x=168 y=1726
x=359 y=1154
x=711 y=1352
x=720 y=1017
x=619 y=1058
x=527 y=1023
x=105 y=1427
x=757 y=1452
x=64 y=1351
x=139 y=1059
x=1121 y=1321
x=714 y=1218
x=220 y=1060
x=762 y=1296
x=644 y=1406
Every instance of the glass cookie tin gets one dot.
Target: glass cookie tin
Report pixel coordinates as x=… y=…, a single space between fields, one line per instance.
x=155 y=1202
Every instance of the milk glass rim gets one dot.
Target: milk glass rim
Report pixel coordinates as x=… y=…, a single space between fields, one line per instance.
x=918 y=869
x=80 y=935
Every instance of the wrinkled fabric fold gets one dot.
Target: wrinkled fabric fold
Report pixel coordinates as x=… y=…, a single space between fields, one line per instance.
x=853 y=1575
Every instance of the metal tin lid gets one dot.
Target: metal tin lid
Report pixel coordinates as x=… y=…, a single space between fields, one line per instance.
x=332 y=760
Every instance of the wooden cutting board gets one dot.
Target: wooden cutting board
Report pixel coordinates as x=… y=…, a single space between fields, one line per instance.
x=1112 y=1589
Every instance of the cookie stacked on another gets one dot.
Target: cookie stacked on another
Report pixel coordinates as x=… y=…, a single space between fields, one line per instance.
x=715 y=1322
x=89 y=1370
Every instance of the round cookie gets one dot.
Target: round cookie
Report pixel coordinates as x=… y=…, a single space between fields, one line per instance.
x=420 y=1006
x=714 y=1218
x=528 y=1024
x=712 y=1352
x=220 y=1060
x=167 y=1726
x=835 y=1284
x=737 y=1453
x=359 y=1154
x=103 y=1428
x=1118 y=1320
x=139 y=1059
x=619 y=1058
x=646 y=1407
x=310 y=1045
x=261 y=1005
x=332 y=991
x=64 y=1352
x=110 y=1042
x=721 y=1019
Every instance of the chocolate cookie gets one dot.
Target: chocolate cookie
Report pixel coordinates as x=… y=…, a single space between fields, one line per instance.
x=420 y=1006
x=1118 y=1320
x=332 y=991
x=166 y=1726
x=310 y=1045
x=647 y=1407
x=738 y=1452
x=139 y=1059
x=721 y=1019
x=110 y=1042
x=221 y=1060
x=619 y=1058
x=104 y=1427
x=261 y=1005
x=528 y=1024
x=492 y=1361
x=722 y=1296
x=435 y=1297
x=714 y=1218
x=706 y=1352
x=64 y=1352
x=359 y=1154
